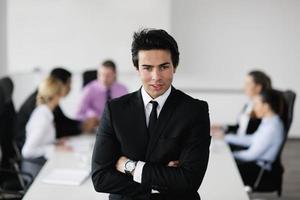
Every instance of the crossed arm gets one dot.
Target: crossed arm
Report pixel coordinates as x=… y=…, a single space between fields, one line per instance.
x=185 y=176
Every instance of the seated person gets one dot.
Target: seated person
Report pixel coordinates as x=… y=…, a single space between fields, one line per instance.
x=264 y=144
x=97 y=92
x=64 y=126
x=40 y=129
x=247 y=123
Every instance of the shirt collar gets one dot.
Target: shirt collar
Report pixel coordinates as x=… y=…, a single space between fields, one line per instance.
x=274 y=117
x=48 y=112
x=104 y=88
x=160 y=100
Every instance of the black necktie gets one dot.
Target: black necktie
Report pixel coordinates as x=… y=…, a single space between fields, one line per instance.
x=153 y=117
x=108 y=94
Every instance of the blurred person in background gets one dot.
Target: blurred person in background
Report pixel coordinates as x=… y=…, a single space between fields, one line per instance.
x=40 y=129
x=98 y=92
x=247 y=123
x=64 y=125
x=261 y=147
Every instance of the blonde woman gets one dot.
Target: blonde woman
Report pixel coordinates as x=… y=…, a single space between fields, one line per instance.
x=40 y=129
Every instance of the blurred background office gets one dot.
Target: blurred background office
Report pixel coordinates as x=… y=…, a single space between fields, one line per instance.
x=219 y=42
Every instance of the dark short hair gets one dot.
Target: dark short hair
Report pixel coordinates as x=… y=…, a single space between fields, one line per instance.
x=274 y=99
x=148 y=39
x=109 y=64
x=61 y=74
x=262 y=79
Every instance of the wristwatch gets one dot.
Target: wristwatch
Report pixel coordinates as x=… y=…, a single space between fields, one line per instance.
x=129 y=166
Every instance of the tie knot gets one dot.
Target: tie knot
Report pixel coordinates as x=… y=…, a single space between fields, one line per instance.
x=154 y=104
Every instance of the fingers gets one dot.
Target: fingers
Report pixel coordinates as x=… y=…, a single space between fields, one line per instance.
x=90 y=124
x=120 y=164
x=173 y=163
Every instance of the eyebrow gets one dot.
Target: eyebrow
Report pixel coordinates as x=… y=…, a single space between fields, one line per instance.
x=147 y=65
x=166 y=63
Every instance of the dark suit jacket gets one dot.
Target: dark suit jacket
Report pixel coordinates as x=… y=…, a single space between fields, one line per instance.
x=64 y=125
x=182 y=133
x=251 y=127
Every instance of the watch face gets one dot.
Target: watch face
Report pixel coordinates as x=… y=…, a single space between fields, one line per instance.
x=130 y=166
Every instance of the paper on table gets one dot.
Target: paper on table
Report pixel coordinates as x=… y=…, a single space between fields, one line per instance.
x=66 y=176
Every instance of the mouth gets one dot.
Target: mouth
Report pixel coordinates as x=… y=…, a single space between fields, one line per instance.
x=156 y=87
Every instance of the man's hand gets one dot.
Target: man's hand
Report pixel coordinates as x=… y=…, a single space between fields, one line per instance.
x=89 y=124
x=120 y=164
x=62 y=144
x=217 y=131
x=173 y=163
x=123 y=159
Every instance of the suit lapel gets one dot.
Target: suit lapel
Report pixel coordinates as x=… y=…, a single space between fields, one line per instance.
x=138 y=114
x=163 y=120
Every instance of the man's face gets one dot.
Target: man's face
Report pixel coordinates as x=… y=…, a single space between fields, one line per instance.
x=106 y=76
x=156 y=71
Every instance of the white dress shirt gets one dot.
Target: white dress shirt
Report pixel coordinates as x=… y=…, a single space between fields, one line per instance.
x=40 y=133
x=243 y=119
x=263 y=144
x=137 y=176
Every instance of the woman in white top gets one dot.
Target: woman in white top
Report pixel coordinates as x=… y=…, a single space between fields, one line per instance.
x=247 y=123
x=40 y=129
x=264 y=144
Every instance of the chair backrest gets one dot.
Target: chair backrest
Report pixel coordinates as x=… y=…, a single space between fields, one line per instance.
x=289 y=98
x=7 y=119
x=2 y=105
x=2 y=101
x=7 y=87
x=89 y=76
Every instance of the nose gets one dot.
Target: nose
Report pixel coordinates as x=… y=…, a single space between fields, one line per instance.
x=156 y=74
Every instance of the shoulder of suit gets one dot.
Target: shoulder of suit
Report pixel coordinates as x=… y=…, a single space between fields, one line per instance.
x=190 y=99
x=125 y=98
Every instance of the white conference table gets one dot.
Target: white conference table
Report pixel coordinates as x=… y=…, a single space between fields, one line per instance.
x=221 y=181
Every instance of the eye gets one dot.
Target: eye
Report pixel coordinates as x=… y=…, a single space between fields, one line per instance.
x=163 y=67
x=147 y=68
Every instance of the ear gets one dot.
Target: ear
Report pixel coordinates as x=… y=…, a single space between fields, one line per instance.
x=137 y=70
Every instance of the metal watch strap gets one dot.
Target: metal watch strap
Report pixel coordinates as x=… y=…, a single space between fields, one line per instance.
x=127 y=171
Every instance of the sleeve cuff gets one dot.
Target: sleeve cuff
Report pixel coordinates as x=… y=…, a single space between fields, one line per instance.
x=137 y=175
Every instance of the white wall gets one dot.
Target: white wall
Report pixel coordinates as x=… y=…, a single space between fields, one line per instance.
x=76 y=33
x=221 y=41
x=3 y=50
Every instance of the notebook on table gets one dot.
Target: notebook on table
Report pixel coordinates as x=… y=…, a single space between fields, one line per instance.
x=66 y=176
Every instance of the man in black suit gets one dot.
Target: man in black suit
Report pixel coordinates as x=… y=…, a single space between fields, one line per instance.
x=64 y=125
x=152 y=143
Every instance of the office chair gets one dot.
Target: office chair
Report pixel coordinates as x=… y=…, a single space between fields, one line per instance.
x=8 y=117
x=89 y=76
x=13 y=182
x=270 y=181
